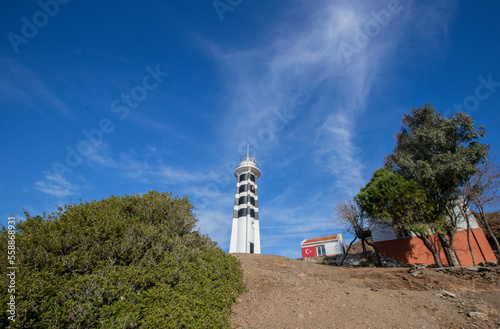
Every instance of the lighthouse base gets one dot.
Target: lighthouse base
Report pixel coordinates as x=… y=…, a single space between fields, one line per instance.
x=245 y=236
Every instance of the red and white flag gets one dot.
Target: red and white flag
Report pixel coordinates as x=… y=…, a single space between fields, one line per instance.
x=309 y=251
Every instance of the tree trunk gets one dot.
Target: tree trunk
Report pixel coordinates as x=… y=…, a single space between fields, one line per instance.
x=482 y=217
x=348 y=248
x=379 y=259
x=364 y=246
x=428 y=243
x=448 y=249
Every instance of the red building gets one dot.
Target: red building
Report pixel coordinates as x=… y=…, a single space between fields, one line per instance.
x=408 y=248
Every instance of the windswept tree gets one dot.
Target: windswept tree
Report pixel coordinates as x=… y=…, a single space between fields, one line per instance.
x=440 y=154
x=391 y=199
x=356 y=221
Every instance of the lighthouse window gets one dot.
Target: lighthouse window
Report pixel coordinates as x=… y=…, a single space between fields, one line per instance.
x=242 y=212
x=246 y=176
x=252 y=213
x=243 y=188
x=251 y=188
x=243 y=177
x=244 y=199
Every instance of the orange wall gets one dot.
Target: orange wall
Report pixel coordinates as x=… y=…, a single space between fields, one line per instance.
x=413 y=251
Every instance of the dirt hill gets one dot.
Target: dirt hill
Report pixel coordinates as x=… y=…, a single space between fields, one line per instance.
x=289 y=293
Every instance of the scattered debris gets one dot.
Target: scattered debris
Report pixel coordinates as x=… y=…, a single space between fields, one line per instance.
x=488 y=273
x=355 y=260
x=449 y=294
x=478 y=315
x=417 y=270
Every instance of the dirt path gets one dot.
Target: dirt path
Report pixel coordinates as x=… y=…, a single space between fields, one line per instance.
x=288 y=293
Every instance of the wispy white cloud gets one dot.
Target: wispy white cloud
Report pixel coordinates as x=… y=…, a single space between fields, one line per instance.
x=144 y=167
x=100 y=156
x=339 y=153
x=55 y=185
x=146 y=171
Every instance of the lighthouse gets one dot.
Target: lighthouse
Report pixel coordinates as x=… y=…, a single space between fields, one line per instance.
x=245 y=234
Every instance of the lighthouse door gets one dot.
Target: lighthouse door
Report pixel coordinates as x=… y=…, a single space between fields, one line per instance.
x=251 y=247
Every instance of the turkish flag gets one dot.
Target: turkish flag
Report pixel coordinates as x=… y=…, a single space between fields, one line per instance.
x=309 y=251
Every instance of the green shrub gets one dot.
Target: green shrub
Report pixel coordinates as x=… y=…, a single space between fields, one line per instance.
x=123 y=262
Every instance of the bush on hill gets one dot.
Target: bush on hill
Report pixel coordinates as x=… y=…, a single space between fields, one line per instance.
x=123 y=262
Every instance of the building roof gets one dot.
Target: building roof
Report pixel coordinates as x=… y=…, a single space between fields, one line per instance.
x=324 y=238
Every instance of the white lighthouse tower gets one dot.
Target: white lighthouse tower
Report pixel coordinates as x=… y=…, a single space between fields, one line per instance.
x=245 y=234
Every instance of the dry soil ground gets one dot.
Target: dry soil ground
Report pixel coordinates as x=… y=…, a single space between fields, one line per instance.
x=289 y=293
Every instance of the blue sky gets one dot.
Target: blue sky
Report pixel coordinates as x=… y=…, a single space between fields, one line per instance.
x=123 y=97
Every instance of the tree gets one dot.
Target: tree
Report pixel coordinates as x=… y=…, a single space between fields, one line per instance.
x=350 y=215
x=440 y=154
x=122 y=262
x=393 y=200
x=481 y=191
